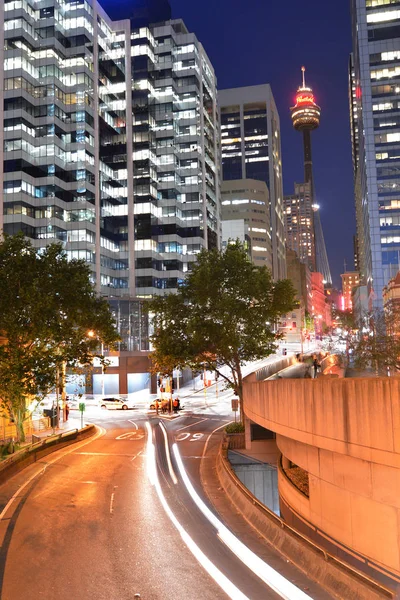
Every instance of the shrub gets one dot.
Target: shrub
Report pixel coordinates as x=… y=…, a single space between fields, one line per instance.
x=235 y=428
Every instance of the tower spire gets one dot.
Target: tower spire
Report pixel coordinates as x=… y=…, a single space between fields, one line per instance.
x=303 y=70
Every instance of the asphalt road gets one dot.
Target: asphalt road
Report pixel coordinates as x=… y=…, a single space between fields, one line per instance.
x=102 y=519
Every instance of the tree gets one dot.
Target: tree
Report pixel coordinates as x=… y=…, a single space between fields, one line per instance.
x=378 y=345
x=47 y=307
x=223 y=315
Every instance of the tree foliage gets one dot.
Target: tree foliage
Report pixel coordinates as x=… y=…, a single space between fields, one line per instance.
x=223 y=315
x=378 y=345
x=47 y=307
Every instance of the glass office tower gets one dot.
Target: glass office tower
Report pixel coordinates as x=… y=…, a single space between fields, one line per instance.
x=110 y=142
x=375 y=117
x=251 y=149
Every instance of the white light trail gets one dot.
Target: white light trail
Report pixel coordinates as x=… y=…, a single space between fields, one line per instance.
x=167 y=452
x=225 y=584
x=272 y=578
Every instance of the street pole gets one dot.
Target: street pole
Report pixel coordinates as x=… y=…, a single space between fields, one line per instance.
x=205 y=387
x=102 y=371
x=63 y=389
x=57 y=393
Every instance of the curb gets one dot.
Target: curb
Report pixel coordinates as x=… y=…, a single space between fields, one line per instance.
x=335 y=576
x=31 y=454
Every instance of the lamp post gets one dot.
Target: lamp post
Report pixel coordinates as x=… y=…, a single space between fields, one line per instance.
x=63 y=389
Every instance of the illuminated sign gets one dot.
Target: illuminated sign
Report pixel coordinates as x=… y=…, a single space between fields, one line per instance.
x=304 y=99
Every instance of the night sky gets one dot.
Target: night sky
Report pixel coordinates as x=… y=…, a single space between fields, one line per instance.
x=252 y=42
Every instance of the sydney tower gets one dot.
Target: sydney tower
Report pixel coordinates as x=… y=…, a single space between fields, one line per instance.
x=305 y=117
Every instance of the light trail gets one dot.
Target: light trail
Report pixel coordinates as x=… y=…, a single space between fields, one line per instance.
x=272 y=578
x=167 y=452
x=225 y=584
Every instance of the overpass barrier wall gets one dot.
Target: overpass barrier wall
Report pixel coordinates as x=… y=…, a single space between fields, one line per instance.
x=346 y=434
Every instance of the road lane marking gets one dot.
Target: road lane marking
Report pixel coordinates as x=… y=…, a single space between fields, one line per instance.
x=101 y=431
x=170 y=468
x=209 y=437
x=277 y=582
x=138 y=454
x=225 y=584
x=111 y=503
x=197 y=422
x=102 y=454
x=133 y=423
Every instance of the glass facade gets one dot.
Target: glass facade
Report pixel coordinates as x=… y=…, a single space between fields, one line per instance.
x=375 y=111
x=111 y=142
x=132 y=323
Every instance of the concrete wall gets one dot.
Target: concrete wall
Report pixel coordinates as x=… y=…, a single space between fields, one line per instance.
x=346 y=434
x=341 y=581
x=262 y=481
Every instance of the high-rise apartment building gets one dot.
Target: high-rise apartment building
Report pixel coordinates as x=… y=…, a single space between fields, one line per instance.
x=299 y=224
x=350 y=280
x=251 y=149
x=375 y=108
x=110 y=142
x=247 y=200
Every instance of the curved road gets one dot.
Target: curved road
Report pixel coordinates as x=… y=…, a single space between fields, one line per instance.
x=113 y=516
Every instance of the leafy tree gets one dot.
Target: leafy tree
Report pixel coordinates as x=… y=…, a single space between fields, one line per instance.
x=222 y=315
x=378 y=345
x=344 y=329
x=47 y=307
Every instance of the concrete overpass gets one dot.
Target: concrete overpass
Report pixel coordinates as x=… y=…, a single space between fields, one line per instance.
x=342 y=436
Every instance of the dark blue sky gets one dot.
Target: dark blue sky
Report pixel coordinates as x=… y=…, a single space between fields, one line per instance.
x=260 y=41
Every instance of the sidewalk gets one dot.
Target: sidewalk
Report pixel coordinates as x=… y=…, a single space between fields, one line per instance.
x=74 y=422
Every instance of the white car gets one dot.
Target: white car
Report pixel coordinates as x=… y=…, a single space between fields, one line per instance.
x=113 y=404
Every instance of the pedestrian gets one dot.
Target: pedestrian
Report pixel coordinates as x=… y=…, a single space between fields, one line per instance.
x=176 y=405
x=316 y=366
x=66 y=411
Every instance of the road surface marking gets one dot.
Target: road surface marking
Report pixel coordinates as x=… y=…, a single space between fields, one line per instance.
x=225 y=584
x=138 y=454
x=277 y=582
x=103 y=454
x=130 y=435
x=111 y=503
x=170 y=468
x=101 y=431
x=197 y=422
x=133 y=423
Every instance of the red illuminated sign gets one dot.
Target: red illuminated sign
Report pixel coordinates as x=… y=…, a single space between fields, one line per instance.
x=304 y=99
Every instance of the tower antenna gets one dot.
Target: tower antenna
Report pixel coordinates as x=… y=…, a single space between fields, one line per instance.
x=303 y=69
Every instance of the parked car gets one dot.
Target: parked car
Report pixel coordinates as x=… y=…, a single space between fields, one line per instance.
x=113 y=404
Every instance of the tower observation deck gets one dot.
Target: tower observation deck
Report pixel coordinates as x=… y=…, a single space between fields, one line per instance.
x=305 y=118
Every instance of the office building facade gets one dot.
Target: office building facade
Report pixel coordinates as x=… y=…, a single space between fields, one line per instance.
x=299 y=224
x=248 y=200
x=375 y=113
x=251 y=149
x=110 y=142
